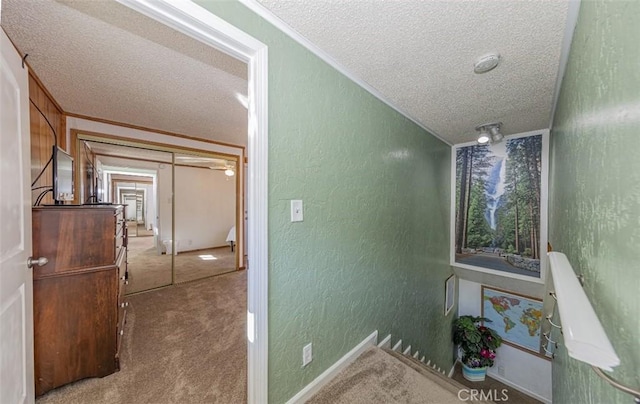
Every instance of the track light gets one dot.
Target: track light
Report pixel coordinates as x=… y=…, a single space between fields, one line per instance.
x=489 y=132
x=496 y=136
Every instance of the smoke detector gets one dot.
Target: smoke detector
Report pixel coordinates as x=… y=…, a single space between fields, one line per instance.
x=486 y=63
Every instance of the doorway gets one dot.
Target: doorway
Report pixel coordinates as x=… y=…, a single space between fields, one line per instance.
x=203 y=26
x=191 y=20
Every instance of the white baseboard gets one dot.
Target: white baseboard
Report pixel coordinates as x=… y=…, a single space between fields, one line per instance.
x=452 y=371
x=326 y=376
x=398 y=346
x=385 y=343
x=519 y=388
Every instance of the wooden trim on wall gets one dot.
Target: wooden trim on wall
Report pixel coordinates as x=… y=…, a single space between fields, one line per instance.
x=192 y=166
x=41 y=136
x=131 y=179
x=44 y=89
x=125 y=141
x=132 y=158
x=146 y=129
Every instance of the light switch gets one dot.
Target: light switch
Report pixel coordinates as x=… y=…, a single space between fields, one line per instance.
x=296 y=210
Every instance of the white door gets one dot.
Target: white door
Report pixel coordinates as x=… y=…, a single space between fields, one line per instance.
x=16 y=286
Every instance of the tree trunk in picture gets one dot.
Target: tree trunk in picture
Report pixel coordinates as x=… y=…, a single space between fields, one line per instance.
x=535 y=254
x=533 y=166
x=468 y=197
x=460 y=216
x=517 y=224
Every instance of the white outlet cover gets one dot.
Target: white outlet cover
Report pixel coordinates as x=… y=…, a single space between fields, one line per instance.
x=307 y=354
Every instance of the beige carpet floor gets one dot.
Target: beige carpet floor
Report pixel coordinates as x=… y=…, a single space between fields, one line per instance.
x=149 y=270
x=182 y=344
x=379 y=377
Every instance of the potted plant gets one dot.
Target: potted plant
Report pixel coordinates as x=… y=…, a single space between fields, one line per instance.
x=478 y=345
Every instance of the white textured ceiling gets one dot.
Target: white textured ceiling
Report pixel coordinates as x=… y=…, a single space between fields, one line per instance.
x=103 y=60
x=420 y=55
x=100 y=59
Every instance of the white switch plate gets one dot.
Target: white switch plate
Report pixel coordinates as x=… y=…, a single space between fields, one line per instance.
x=307 y=355
x=296 y=210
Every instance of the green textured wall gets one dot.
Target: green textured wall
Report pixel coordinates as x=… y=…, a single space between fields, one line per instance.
x=372 y=252
x=594 y=209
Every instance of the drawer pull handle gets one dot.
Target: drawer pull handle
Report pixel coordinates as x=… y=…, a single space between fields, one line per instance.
x=121 y=332
x=126 y=282
x=122 y=304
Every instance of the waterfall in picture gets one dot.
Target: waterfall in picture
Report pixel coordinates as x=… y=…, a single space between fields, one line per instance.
x=495 y=190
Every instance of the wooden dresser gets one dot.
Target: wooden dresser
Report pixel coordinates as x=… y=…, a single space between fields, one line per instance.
x=79 y=312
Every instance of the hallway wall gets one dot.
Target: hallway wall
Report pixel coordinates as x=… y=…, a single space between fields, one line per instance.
x=595 y=189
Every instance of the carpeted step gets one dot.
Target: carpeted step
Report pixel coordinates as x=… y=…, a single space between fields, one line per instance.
x=429 y=372
x=378 y=376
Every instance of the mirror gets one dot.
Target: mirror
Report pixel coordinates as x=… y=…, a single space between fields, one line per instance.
x=198 y=192
x=205 y=213
x=142 y=181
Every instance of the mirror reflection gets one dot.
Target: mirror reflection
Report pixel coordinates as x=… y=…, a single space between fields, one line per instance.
x=205 y=211
x=159 y=189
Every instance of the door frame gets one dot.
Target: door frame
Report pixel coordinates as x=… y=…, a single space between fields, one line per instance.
x=200 y=24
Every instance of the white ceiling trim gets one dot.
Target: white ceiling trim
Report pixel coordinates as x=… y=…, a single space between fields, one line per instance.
x=572 y=21
x=265 y=13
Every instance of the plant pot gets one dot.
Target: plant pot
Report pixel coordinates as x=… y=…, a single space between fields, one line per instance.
x=474 y=374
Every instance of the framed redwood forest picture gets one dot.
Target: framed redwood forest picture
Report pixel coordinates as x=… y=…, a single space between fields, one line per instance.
x=499 y=206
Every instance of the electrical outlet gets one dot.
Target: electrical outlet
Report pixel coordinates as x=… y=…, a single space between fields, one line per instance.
x=307 y=355
x=501 y=370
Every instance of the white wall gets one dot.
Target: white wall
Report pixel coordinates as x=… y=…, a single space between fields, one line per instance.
x=525 y=372
x=205 y=207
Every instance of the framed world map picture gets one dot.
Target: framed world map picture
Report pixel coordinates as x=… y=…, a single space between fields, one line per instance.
x=516 y=318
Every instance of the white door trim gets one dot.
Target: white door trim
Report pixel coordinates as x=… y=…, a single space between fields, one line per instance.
x=198 y=23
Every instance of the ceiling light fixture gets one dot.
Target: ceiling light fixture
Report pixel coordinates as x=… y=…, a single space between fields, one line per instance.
x=489 y=132
x=486 y=63
x=229 y=172
x=496 y=136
